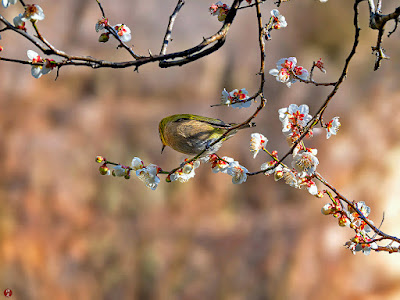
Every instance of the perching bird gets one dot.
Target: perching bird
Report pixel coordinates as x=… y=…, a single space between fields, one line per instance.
x=191 y=134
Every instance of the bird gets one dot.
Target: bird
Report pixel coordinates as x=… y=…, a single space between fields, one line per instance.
x=192 y=134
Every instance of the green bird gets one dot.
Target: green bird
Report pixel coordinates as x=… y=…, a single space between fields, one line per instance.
x=191 y=134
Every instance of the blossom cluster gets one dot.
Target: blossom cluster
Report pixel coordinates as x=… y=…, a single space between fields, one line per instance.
x=123 y=31
x=228 y=166
x=351 y=217
x=185 y=172
x=147 y=174
x=300 y=176
x=276 y=21
x=33 y=13
x=304 y=160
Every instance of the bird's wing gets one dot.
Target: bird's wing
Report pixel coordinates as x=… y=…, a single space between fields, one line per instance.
x=214 y=122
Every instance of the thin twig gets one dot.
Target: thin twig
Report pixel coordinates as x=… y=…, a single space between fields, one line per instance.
x=197 y=52
x=101 y=8
x=167 y=37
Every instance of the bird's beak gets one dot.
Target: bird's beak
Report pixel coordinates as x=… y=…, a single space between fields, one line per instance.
x=162 y=149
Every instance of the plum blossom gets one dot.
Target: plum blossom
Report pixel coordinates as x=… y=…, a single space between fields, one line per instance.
x=219 y=9
x=309 y=185
x=220 y=165
x=290 y=178
x=236 y=98
x=137 y=164
x=238 y=172
x=270 y=164
x=320 y=65
x=149 y=176
x=281 y=75
x=278 y=20
x=6 y=3
x=123 y=32
x=328 y=209
x=33 y=12
x=287 y=63
x=186 y=172
x=101 y=24
x=360 y=243
x=120 y=171
x=19 y=22
x=257 y=143
x=300 y=72
x=332 y=127
x=287 y=72
x=356 y=221
x=38 y=70
x=305 y=162
x=294 y=116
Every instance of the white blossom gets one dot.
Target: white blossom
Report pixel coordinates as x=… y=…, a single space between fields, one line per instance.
x=257 y=142
x=149 y=176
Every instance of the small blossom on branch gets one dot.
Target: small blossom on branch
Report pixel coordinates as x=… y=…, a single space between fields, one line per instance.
x=290 y=178
x=309 y=185
x=220 y=165
x=6 y=3
x=220 y=9
x=305 y=163
x=294 y=118
x=229 y=166
x=121 y=171
x=33 y=13
x=270 y=164
x=320 y=65
x=257 y=143
x=185 y=173
x=360 y=243
x=287 y=63
x=300 y=72
x=236 y=98
x=19 y=23
x=332 y=127
x=101 y=24
x=287 y=71
x=123 y=32
x=278 y=20
x=149 y=176
x=238 y=172
x=137 y=164
x=38 y=70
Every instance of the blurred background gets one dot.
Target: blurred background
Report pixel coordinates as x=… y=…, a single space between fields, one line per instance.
x=66 y=232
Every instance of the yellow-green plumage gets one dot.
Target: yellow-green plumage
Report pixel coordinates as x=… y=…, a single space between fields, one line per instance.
x=191 y=134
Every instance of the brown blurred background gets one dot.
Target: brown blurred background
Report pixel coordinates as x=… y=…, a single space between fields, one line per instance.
x=66 y=232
